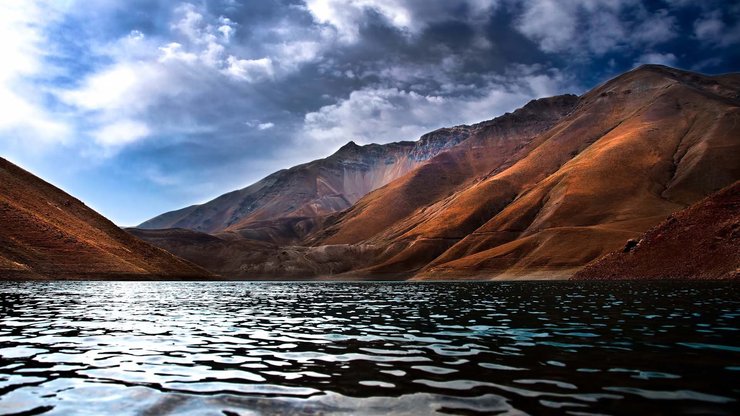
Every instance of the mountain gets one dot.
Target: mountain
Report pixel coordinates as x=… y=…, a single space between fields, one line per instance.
x=633 y=150
x=699 y=242
x=227 y=253
x=288 y=204
x=492 y=145
x=47 y=234
x=538 y=193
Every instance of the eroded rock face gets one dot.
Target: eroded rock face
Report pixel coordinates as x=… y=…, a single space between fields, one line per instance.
x=699 y=242
x=47 y=234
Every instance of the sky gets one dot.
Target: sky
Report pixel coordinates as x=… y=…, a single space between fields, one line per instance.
x=138 y=107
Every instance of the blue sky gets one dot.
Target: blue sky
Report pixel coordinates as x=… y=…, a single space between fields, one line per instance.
x=143 y=106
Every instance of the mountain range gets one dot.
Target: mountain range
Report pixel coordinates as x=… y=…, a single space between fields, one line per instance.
x=637 y=178
x=537 y=193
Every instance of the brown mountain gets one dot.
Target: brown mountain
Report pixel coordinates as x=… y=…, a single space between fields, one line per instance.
x=700 y=242
x=290 y=203
x=492 y=145
x=538 y=193
x=229 y=254
x=47 y=234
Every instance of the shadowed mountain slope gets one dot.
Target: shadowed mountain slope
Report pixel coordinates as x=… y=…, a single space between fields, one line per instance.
x=700 y=242
x=285 y=206
x=47 y=234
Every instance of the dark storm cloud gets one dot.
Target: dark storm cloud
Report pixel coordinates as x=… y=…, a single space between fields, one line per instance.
x=176 y=102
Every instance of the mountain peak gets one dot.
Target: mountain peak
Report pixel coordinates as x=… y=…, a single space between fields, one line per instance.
x=350 y=145
x=654 y=67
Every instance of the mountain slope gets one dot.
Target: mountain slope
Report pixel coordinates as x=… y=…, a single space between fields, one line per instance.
x=490 y=146
x=637 y=148
x=47 y=234
x=282 y=206
x=538 y=193
x=700 y=242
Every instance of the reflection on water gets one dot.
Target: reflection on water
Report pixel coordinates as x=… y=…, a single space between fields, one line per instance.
x=229 y=349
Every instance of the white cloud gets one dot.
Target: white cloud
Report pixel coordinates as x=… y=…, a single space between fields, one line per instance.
x=346 y=16
x=23 y=52
x=550 y=24
x=174 y=51
x=265 y=126
x=389 y=114
x=120 y=133
x=596 y=27
x=110 y=89
x=407 y=15
x=656 y=28
x=249 y=69
x=191 y=24
x=292 y=55
x=136 y=35
x=376 y=115
x=711 y=29
x=149 y=73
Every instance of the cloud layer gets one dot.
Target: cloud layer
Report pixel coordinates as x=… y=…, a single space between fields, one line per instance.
x=174 y=103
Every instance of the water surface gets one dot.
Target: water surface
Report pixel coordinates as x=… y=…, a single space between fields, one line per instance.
x=224 y=348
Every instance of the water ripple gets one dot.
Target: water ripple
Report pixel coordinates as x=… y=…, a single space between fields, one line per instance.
x=376 y=348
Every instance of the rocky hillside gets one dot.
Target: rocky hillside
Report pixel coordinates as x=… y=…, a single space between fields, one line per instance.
x=538 y=193
x=290 y=203
x=47 y=234
x=700 y=242
x=635 y=149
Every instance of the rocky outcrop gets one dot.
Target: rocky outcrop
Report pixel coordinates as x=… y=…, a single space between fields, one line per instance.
x=47 y=234
x=700 y=242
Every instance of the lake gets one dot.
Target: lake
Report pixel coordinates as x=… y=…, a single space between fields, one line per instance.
x=244 y=348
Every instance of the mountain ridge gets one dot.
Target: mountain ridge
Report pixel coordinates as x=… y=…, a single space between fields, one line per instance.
x=537 y=193
x=316 y=188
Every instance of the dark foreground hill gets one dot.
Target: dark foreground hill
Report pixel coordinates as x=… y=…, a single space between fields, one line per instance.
x=699 y=242
x=47 y=234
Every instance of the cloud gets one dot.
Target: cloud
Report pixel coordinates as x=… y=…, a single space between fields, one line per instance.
x=553 y=27
x=110 y=89
x=593 y=27
x=22 y=111
x=121 y=133
x=265 y=126
x=345 y=16
x=251 y=70
x=389 y=114
x=163 y=85
x=711 y=29
x=409 y=16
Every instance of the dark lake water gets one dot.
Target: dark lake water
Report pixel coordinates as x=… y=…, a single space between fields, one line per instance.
x=224 y=348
